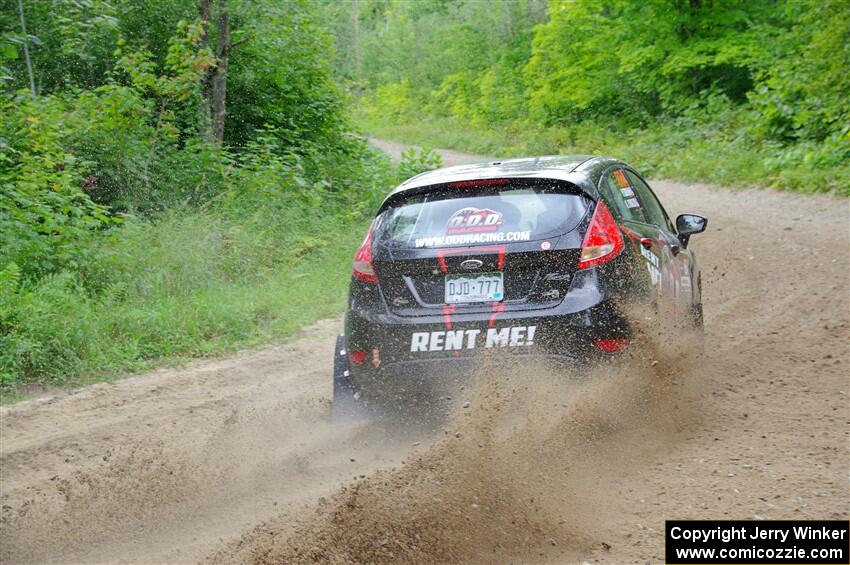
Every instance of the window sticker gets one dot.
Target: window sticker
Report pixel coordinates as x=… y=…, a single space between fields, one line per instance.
x=632 y=203
x=621 y=178
x=627 y=191
x=474 y=220
x=472 y=238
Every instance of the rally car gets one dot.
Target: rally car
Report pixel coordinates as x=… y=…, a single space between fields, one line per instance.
x=504 y=260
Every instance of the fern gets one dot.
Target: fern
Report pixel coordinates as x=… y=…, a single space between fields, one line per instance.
x=10 y=282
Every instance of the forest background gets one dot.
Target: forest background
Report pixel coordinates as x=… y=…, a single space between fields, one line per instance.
x=181 y=178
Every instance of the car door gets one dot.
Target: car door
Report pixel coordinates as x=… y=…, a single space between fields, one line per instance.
x=674 y=258
x=643 y=221
x=636 y=225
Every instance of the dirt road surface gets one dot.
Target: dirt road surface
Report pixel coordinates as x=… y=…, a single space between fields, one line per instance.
x=235 y=460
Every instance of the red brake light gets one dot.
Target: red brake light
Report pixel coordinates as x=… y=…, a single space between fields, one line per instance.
x=480 y=182
x=363 y=269
x=357 y=357
x=611 y=345
x=603 y=240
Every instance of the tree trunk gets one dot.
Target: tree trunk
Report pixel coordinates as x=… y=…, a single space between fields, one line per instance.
x=219 y=79
x=205 y=13
x=26 y=48
x=355 y=17
x=214 y=82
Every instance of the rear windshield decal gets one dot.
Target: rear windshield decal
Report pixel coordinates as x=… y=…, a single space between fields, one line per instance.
x=474 y=220
x=493 y=216
x=472 y=238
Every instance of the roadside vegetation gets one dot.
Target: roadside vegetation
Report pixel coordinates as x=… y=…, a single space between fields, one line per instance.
x=179 y=177
x=176 y=180
x=739 y=93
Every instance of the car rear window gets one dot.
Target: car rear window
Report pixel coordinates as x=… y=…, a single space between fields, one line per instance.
x=483 y=215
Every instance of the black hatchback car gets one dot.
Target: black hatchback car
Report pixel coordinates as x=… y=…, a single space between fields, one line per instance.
x=523 y=257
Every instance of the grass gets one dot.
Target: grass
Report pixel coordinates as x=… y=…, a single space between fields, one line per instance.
x=686 y=150
x=268 y=255
x=187 y=286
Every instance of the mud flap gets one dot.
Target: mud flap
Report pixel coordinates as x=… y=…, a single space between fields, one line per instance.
x=346 y=407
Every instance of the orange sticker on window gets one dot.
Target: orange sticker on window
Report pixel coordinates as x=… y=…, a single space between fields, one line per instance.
x=621 y=179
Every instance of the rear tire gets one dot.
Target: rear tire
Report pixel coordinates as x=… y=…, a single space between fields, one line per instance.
x=346 y=405
x=697 y=318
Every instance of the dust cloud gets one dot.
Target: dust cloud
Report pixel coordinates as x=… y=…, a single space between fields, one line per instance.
x=524 y=469
x=174 y=467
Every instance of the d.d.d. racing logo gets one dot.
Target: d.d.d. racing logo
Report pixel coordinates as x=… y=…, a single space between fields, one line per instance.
x=472 y=220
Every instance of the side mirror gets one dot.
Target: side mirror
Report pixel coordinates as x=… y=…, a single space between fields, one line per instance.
x=689 y=224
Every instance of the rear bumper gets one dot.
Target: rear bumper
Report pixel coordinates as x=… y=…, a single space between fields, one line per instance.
x=431 y=384
x=401 y=352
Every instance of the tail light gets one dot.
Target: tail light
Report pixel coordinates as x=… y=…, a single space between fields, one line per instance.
x=611 y=345
x=480 y=182
x=603 y=240
x=357 y=357
x=363 y=268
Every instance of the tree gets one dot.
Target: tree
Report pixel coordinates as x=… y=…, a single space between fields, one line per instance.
x=215 y=80
x=26 y=48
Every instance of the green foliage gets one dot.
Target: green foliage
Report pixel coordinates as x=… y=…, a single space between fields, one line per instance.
x=270 y=253
x=282 y=77
x=125 y=235
x=10 y=280
x=627 y=57
x=44 y=214
x=415 y=162
x=179 y=79
x=766 y=77
x=804 y=93
x=393 y=102
x=185 y=286
x=679 y=148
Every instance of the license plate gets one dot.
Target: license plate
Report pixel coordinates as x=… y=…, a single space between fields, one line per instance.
x=484 y=287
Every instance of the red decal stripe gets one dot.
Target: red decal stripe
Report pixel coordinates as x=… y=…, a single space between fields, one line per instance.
x=447 y=315
x=498 y=308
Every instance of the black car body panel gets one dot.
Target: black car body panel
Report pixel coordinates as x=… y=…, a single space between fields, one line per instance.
x=521 y=227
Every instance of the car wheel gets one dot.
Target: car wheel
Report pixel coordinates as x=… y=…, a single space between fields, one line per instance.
x=346 y=405
x=696 y=316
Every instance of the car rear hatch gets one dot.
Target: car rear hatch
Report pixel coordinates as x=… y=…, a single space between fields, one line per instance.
x=472 y=246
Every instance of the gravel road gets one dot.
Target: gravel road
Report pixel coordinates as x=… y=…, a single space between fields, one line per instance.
x=235 y=460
